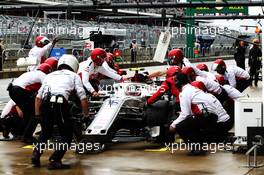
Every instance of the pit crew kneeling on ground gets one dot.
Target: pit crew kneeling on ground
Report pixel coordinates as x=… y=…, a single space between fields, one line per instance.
x=10 y=120
x=23 y=91
x=199 y=111
x=96 y=64
x=235 y=76
x=52 y=107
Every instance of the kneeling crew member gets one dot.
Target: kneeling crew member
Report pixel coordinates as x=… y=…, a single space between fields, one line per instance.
x=199 y=110
x=235 y=76
x=23 y=91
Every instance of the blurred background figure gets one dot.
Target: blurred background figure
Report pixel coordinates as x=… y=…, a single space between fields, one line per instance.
x=143 y=42
x=240 y=55
x=133 y=49
x=254 y=61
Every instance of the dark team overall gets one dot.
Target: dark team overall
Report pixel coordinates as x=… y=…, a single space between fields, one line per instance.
x=55 y=111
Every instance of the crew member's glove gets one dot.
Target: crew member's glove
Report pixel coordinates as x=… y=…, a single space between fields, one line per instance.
x=87 y=120
x=122 y=80
x=95 y=94
x=123 y=72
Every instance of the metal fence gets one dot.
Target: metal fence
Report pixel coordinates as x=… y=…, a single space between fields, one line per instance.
x=14 y=31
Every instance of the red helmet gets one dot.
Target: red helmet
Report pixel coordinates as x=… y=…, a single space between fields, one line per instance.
x=98 y=56
x=41 y=41
x=199 y=85
x=189 y=72
x=175 y=56
x=220 y=79
x=45 y=68
x=173 y=70
x=52 y=61
x=219 y=66
x=202 y=67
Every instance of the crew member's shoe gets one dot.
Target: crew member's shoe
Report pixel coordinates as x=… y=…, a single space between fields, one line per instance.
x=57 y=165
x=35 y=160
x=6 y=134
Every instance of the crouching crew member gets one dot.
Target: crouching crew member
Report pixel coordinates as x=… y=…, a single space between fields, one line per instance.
x=23 y=91
x=10 y=120
x=199 y=111
x=212 y=86
x=52 y=107
x=202 y=70
x=53 y=62
x=235 y=76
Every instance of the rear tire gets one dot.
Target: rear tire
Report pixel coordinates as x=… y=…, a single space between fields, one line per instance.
x=165 y=136
x=157 y=113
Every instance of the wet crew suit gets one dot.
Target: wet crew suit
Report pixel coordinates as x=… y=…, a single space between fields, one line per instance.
x=211 y=85
x=87 y=68
x=54 y=95
x=10 y=120
x=38 y=55
x=237 y=78
x=167 y=85
x=22 y=91
x=200 y=110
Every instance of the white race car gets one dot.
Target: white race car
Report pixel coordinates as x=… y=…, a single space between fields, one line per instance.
x=124 y=117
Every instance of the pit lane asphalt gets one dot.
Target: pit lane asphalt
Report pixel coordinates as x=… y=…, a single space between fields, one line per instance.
x=127 y=159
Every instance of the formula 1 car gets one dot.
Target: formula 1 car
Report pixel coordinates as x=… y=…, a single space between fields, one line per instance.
x=123 y=117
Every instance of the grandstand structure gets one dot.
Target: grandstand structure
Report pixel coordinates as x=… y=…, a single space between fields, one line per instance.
x=15 y=29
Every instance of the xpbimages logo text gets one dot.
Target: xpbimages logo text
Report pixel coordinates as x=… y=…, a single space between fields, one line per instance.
x=60 y=31
x=175 y=31
x=200 y=30
x=81 y=147
x=208 y=147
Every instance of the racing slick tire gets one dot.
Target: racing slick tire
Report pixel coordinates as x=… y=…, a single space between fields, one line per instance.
x=157 y=113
